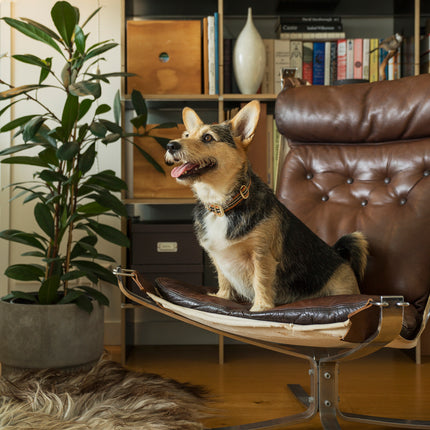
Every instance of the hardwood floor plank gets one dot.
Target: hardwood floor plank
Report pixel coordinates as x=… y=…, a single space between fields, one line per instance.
x=252 y=383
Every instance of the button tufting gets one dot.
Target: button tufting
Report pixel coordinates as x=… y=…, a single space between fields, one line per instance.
x=324 y=198
x=364 y=203
x=349 y=181
x=387 y=180
x=309 y=176
x=426 y=172
x=403 y=201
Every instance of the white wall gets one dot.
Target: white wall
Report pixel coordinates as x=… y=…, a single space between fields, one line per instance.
x=105 y=26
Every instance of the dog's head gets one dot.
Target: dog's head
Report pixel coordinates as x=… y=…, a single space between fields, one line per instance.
x=212 y=154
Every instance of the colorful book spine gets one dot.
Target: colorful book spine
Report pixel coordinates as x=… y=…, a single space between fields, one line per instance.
x=366 y=59
x=211 y=54
x=341 y=59
x=327 y=64
x=318 y=63
x=307 y=61
x=349 y=58
x=374 y=60
x=333 y=62
x=358 y=59
x=216 y=47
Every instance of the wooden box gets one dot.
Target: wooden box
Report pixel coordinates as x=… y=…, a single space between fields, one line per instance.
x=166 y=56
x=148 y=182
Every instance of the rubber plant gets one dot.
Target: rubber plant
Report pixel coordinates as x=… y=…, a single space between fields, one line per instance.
x=70 y=199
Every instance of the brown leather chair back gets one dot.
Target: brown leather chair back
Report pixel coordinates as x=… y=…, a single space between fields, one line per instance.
x=360 y=160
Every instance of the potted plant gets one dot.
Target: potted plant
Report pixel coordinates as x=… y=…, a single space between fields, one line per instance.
x=69 y=199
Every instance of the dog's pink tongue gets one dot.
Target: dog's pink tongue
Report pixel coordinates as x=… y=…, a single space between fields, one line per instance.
x=180 y=170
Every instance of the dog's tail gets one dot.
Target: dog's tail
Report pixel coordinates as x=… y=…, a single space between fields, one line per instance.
x=354 y=248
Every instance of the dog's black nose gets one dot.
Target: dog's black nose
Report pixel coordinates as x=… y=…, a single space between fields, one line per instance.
x=173 y=146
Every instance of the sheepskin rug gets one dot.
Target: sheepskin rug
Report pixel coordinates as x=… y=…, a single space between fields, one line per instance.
x=107 y=397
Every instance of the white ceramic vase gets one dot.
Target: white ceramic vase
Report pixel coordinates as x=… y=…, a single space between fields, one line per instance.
x=249 y=58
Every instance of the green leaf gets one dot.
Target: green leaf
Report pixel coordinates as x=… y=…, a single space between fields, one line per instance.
x=32 y=127
x=71 y=296
x=84 y=302
x=139 y=104
x=151 y=160
x=44 y=73
x=29 y=161
x=97 y=51
x=103 y=108
x=32 y=298
x=111 y=126
x=92 y=209
x=117 y=107
x=16 y=123
x=107 y=179
x=44 y=219
x=86 y=88
x=68 y=150
x=22 y=237
x=165 y=125
x=52 y=176
x=87 y=159
x=111 y=234
x=95 y=269
x=70 y=114
x=32 y=59
x=65 y=19
x=73 y=274
x=98 y=129
x=95 y=294
x=79 y=40
x=111 y=202
x=84 y=107
x=139 y=121
x=162 y=141
x=110 y=138
x=90 y=17
x=48 y=290
x=49 y=156
x=33 y=32
x=17 y=148
x=45 y=29
x=13 y=92
x=25 y=272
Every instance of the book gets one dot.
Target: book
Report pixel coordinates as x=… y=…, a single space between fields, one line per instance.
x=307 y=61
x=228 y=66
x=309 y=28
x=366 y=59
x=281 y=59
x=310 y=19
x=357 y=59
x=211 y=54
x=333 y=62
x=216 y=47
x=327 y=64
x=341 y=59
x=312 y=36
x=318 y=54
x=296 y=57
x=374 y=61
x=349 y=58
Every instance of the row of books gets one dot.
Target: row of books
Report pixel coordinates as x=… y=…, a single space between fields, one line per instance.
x=268 y=149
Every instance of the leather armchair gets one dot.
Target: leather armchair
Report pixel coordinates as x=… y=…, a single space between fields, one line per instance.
x=359 y=159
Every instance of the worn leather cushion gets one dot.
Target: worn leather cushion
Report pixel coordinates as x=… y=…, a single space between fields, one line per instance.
x=321 y=310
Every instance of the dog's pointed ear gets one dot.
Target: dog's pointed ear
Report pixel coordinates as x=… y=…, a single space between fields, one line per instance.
x=191 y=120
x=245 y=122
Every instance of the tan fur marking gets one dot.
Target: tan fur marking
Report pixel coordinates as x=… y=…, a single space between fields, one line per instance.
x=343 y=281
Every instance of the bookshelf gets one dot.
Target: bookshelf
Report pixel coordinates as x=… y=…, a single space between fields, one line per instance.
x=366 y=18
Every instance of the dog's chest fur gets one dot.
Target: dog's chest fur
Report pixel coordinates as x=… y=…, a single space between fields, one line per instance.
x=229 y=255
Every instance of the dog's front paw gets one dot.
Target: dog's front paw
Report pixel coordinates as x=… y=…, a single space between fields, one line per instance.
x=221 y=294
x=261 y=307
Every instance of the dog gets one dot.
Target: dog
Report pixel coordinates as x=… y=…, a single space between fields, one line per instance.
x=261 y=251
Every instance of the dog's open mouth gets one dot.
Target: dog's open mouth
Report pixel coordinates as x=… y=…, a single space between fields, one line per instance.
x=192 y=169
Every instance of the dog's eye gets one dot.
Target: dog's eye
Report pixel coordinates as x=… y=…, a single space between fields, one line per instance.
x=207 y=138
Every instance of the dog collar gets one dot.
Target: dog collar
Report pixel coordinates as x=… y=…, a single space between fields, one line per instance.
x=220 y=210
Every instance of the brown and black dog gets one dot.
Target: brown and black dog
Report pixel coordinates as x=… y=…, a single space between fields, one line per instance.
x=261 y=251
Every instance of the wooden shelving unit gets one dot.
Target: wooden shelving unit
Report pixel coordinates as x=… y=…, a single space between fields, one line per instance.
x=217 y=103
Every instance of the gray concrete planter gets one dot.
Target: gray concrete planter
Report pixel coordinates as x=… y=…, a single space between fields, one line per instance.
x=49 y=336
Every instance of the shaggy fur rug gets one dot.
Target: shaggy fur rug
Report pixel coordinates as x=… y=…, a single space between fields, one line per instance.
x=107 y=397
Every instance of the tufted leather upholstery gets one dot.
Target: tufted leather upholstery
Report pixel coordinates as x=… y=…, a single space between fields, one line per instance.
x=360 y=160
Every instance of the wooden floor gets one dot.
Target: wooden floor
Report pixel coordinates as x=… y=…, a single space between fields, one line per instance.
x=251 y=385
